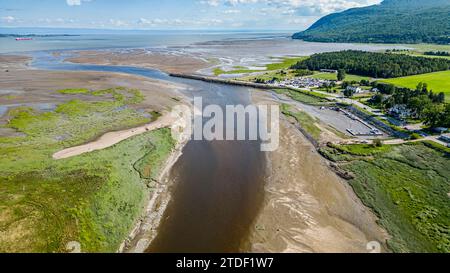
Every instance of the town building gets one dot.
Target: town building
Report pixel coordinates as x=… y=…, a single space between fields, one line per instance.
x=300 y=82
x=400 y=111
x=354 y=89
x=445 y=138
x=328 y=71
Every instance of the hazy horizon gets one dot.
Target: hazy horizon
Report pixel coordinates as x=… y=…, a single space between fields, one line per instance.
x=292 y=15
x=81 y=31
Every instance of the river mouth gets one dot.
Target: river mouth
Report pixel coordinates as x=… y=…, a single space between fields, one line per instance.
x=217 y=187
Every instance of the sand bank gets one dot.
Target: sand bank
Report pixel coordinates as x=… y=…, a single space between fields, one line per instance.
x=308 y=208
x=112 y=138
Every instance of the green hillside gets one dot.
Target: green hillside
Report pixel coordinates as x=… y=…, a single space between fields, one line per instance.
x=392 y=21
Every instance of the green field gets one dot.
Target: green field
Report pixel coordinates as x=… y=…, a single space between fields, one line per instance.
x=93 y=199
x=428 y=47
x=438 y=82
x=407 y=187
x=285 y=64
x=333 y=77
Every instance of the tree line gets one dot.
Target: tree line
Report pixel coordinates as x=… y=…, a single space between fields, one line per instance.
x=437 y=53
x=375 y=65
x=424 y=104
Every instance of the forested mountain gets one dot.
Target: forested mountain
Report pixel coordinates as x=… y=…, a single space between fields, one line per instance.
x=392 y=21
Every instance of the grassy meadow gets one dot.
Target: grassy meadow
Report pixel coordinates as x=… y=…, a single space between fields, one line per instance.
x=333 y=77
x=407 y=186
x=93 y=199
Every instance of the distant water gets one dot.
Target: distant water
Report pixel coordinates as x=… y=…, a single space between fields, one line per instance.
x=103 y=41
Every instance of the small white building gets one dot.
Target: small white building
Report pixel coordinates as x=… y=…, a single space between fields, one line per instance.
x=329 y=71
x=400 y=111
x=355 y=89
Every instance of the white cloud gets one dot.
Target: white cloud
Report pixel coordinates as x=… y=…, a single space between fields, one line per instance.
x=320 y=7
x=212 y=3
x=232 y=11
x=76 y=2
x=8 y=19
x=176 y=22
x=237 y=2
x=118 y=23
x=308 y=7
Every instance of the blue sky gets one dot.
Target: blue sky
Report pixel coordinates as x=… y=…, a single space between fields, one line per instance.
x=171 y=14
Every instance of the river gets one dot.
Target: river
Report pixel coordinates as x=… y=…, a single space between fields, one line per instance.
x=218 y=186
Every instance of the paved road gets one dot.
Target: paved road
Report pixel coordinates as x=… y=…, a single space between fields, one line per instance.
x=341 y=99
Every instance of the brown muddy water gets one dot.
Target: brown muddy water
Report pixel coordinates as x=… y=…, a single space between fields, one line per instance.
x=218 y=187
x=218 y=191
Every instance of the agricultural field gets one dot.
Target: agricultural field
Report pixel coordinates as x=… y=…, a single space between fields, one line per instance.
x=438 y=82
x=94 y=198
x=428 y=47
x=406 y=186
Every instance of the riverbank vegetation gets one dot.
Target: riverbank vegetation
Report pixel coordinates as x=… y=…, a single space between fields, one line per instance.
x=305 y=121
x=375 y=65
x=407 y=187
x=93 y=199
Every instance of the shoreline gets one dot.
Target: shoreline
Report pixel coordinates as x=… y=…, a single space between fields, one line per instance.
x=146 y=227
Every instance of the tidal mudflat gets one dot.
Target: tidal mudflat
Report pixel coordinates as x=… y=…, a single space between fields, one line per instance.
x=226 y=54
